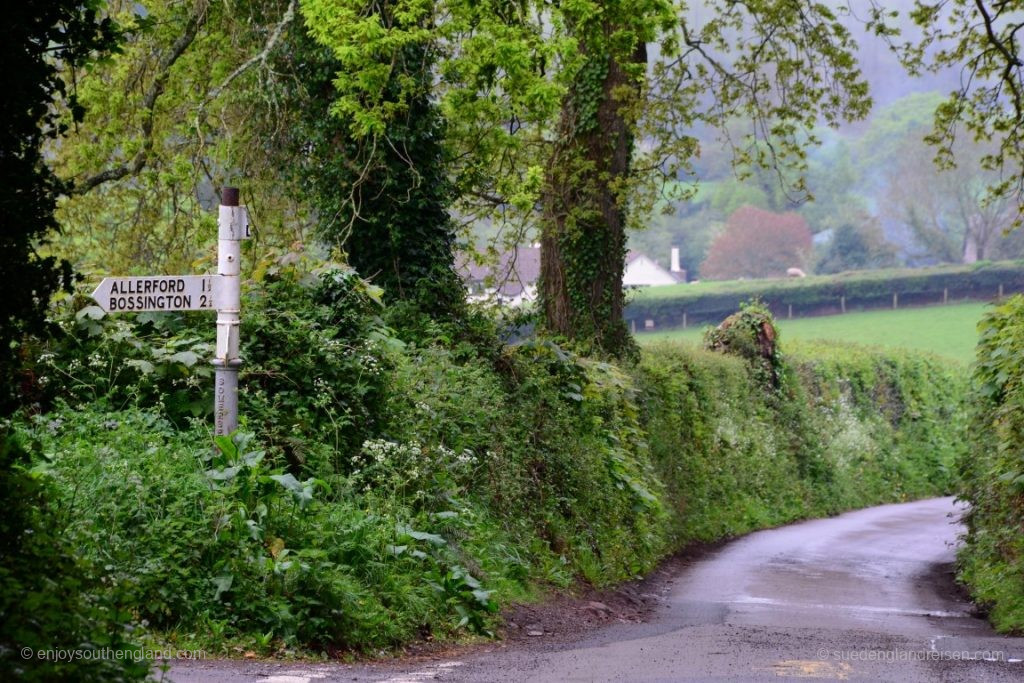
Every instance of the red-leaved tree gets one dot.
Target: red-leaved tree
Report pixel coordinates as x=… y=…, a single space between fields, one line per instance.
x=758 y=243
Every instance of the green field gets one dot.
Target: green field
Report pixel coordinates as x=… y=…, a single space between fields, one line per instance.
x=945 y=330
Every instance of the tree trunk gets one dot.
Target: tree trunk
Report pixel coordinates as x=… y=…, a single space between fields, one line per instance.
x=583 y=238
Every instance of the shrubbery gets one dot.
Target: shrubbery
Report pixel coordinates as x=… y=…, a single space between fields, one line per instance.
x=383 y=489
x=992 y=474
x=51 y=598
x=845 y=427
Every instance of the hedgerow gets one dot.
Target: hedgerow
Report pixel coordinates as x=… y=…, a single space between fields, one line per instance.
x=991 y=561
x=815 y=295
x=384 y=489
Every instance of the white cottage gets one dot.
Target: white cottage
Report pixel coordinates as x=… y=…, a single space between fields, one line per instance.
x=513 y=281
x=643 y=271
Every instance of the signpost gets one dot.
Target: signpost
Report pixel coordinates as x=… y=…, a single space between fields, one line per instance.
x=159 y=293
x=221 y=292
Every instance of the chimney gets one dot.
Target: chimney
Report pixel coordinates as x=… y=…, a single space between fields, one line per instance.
x=675 y=261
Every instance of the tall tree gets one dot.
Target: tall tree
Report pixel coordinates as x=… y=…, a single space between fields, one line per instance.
x=192 y=102
x=44 y=600
x=583 y=228
x=211 y=93
x=981 y=39
x=757 y=244
x=556 y=107
x=382 y=196
x=38 y=38
x=949 y=212
x=856 y=246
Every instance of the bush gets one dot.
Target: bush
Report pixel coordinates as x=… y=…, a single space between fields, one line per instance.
x=991 y=561
x=50 y=599
x=736 y=454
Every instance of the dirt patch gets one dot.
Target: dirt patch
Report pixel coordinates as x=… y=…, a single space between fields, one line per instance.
x=569 y=615
x=940 y=580
x=586 y=608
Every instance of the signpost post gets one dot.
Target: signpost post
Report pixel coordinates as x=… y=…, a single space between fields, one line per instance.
x=232 y=228
x=221 y=292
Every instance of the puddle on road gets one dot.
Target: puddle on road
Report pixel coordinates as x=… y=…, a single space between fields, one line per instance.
x=799 y=668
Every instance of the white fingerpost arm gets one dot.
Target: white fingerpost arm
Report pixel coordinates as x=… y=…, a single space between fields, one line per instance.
x=232 y=228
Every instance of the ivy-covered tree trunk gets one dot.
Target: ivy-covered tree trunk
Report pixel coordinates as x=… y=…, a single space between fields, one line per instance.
x=383 y=198
x=583 y=239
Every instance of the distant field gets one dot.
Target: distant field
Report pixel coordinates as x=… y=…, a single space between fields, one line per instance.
x=946 y=330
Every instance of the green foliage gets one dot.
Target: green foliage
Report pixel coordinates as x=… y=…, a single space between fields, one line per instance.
x=750 y=334
x=581 y=70
x=48 y=598
x=856 y=247
x=316 y=356
x=39 y=37
x=761 y=458
x=391 y=490
x=193 y=101
x=234 y=548
x=992 y=475
x=381 y=194
x=144 y=360
x=315 y=353
x=978 y=36
x=947 y=209
x=51 y=595
x=712 y=302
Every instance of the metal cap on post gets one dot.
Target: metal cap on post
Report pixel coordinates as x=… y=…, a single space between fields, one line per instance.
x=229 y=196
x=232 y=227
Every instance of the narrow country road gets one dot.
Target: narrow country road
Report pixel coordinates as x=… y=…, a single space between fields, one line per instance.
x=866 y=596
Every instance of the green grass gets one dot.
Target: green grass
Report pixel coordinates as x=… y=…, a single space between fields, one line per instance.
x=949 y=331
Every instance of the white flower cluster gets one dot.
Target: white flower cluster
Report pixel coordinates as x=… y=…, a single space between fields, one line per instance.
x=390 y=464
x=324 y=397
x=370 y=363
x=466 y=457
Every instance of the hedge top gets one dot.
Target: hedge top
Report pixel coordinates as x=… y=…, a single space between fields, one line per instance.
x=840 y=281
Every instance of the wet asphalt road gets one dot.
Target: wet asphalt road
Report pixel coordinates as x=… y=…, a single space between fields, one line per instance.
x=867 y=596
